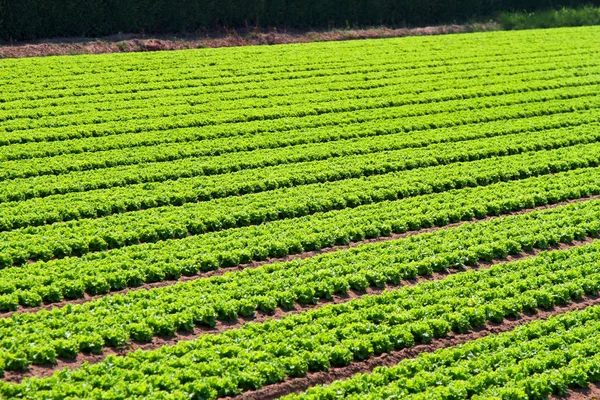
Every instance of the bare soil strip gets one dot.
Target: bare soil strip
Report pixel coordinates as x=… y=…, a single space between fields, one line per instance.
x=592 y=392
x=137 y=43
x=307 y=254
x=157 y=342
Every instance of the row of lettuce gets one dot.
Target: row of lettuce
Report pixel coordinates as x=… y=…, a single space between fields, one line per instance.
x=171 y=162
x=33 y=149
x=97 y=75
x=511 y=72
x=231 y=231
x=535 y=361
x=352 y=130
x=295 y=167
x=294 y=104
x=258 y=354
x=505 y=290
x=294 y=117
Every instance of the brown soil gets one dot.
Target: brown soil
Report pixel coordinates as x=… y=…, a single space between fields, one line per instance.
x=157 y=342
x=137 y=43
x=319 y=378
x=307 y=254
x=592 y=392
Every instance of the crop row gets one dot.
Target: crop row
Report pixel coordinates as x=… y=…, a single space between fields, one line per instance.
x=317 y=124
x=98 y=273
x=371 y=79
x=190 y=95
x=395 y=120
x=305 y=91
x=228 y=83
x=281 y=115
x=303 y=104
x=80 y=237
x=90 y=204
x=89 y=82
x=535 y=361
x=254 y=355
x=169 y=147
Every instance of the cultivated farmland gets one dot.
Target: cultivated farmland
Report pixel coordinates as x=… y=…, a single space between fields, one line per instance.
x=414 y=218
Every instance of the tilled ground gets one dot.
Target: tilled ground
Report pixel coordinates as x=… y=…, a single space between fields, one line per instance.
x=136 y=43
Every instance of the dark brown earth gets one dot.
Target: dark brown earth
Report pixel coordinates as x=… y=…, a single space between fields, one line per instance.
x=290 y=257
x=592 y=392
x=226 y=38
x=157 y=342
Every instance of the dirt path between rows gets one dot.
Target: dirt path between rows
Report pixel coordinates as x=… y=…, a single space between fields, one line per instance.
x=138 y=43
x=592 y=392
x=157 y=342
x=303 y=255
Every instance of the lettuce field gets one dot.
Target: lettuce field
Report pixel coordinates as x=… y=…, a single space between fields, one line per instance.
x=411 y=218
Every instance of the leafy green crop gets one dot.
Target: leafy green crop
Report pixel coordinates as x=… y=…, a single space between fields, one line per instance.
x=258 y=354
x=539 y=359
x=118 y=171
x=139 y=315
x=339 y=164
x=133 y=265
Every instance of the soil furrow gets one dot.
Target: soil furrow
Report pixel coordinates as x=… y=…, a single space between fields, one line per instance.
x=303 y=255
x=592 y=392
x=221 y=326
